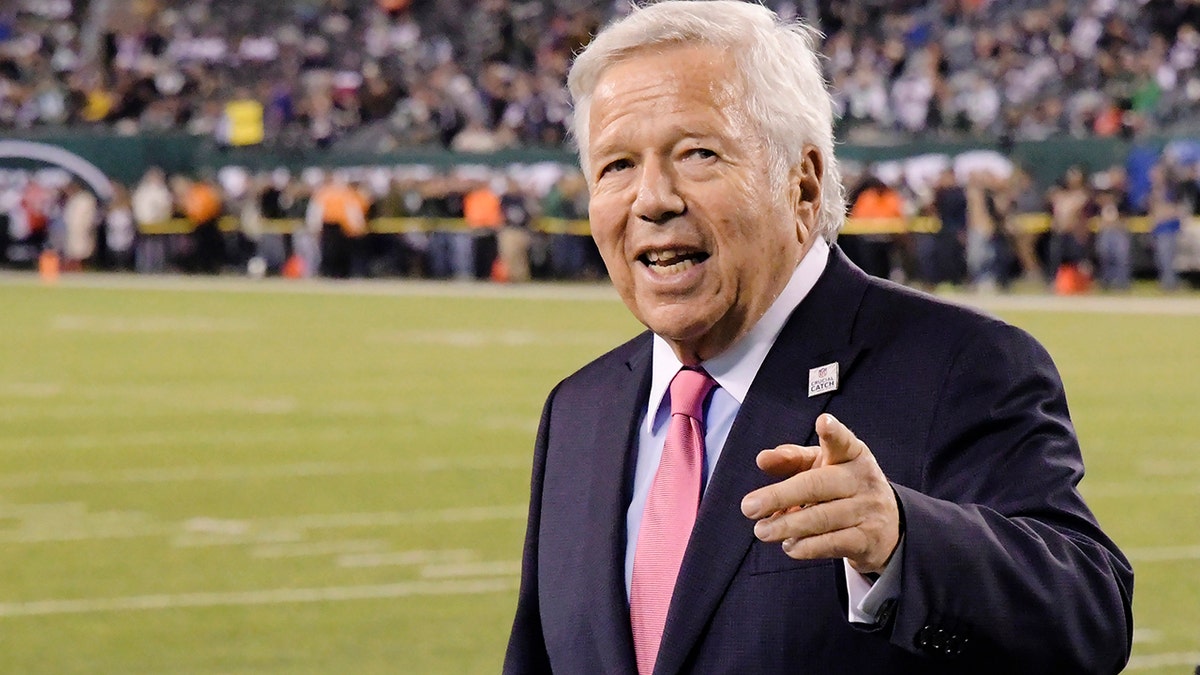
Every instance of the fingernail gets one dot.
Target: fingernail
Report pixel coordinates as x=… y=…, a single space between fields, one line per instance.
x=761 y=529
x=830 y=419
x=788 y=544
x=750 y=506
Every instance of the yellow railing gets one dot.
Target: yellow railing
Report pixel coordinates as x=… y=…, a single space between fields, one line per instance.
x=1030 y=222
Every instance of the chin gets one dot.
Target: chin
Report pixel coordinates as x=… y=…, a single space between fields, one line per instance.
x=678 y=324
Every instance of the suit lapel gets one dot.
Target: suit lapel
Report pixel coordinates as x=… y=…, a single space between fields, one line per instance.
x=608 y=495
x=777 y=410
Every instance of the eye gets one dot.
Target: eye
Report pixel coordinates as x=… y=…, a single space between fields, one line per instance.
x=616 y=165
x=699 y=153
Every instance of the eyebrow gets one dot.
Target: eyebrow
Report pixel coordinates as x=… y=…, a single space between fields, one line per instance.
x=612 y=143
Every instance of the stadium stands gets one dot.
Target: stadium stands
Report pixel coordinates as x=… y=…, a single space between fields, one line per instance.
x=479 y=77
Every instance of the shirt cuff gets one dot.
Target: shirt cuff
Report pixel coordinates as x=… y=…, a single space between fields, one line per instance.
x=867 y=597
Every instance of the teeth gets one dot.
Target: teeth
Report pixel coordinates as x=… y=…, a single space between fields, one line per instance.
x=658 y=256
x=672 y=261
x=675 y=268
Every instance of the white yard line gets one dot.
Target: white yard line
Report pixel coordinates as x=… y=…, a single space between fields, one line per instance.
x=492 y=338
x=1184 y=305
x=163 y=438
x=306 y=549
x=1137 y=489
x=277 y=596
x=1148 y=661
x=472 y=569
x=1163 y=554
x=468 y=514
x=1141 y=635
x=414 y=557
x=570 y=291
x=77 y=525
x=233 y=473
x=1169 y=467
x=148 y=324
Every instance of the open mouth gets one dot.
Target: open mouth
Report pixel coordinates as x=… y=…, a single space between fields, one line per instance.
x=672 y=261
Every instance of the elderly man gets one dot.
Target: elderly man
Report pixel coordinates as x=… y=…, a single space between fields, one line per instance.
x=798 y=468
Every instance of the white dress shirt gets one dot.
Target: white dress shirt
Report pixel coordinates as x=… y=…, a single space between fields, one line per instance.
x=734 y=370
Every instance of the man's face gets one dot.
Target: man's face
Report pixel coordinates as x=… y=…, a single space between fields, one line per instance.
x=695 y=238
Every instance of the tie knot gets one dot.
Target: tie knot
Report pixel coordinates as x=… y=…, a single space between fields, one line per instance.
x=688 y=389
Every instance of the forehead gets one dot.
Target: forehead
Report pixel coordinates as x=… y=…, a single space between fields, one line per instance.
x=689 y=85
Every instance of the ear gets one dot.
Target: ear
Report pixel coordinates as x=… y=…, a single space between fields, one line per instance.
x=804 y=191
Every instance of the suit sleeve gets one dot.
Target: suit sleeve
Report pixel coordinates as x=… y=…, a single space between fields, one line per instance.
x=526 y=645
x=1004 y=564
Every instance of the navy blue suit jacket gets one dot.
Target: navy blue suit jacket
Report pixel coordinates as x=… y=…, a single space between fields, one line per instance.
x=1005 y=569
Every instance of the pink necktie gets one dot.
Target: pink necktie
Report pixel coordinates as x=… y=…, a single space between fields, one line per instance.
x=670 y=513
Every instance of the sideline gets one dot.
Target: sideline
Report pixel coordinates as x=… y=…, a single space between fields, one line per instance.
x=567 y=290
x=1164 y=660
x=1184 y=304
x=276 y=596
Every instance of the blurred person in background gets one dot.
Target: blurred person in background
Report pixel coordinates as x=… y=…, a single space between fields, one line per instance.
x=1025 y=201
x=151 y=201
x=441 y=198
x=1070 y=246
x=37 y=207
x=201 y=203
x=946 y=263
x=8 y=204
x=567 y=200
x=476 y=247
x=242 y=123
x=153 y=205
x=120 y=230
x=984 y=225
x=514 y=240
x=1113 y=243
x=873 y=200
x=1166 y=218
x=80 y=216
x=338 y=212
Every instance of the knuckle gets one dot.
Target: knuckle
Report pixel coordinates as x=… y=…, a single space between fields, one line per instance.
x=823 y=520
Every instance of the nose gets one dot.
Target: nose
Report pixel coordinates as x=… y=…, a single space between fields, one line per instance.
x=658 y=200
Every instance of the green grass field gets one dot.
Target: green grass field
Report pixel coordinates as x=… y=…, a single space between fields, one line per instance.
x=223 y=477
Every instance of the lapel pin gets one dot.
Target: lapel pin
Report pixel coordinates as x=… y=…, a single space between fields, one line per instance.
x=823 y=379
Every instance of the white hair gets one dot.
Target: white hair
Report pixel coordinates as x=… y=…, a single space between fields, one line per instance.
x=778 y=63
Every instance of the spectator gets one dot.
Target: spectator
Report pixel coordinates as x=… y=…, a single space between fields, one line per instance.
x=1069 y=235
x=1025 y=201
x=202 y=206
x=80 y=215
x=1166 y=223
x=983 y=227
x=874 y=200
x=484 y=217
x=924 y=67
x=1113 y=243
x=152 y=204
x=944 y=252
x=567 y=201
x=338 y=213
x=120 y=231
x=513 y=240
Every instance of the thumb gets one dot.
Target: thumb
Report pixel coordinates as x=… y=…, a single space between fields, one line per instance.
x=787 y=460
x=838 y=444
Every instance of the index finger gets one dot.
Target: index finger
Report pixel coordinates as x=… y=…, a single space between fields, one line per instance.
x=838 y=444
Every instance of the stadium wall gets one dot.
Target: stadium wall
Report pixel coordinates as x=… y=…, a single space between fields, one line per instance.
x=126 y=158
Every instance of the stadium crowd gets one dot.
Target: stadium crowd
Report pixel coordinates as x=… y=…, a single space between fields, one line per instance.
x=478 y=76
x=993 y=228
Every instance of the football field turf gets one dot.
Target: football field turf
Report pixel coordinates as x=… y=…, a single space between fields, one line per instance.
x=228 y=477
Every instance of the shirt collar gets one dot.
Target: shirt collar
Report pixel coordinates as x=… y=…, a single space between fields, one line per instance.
x=735 y=368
